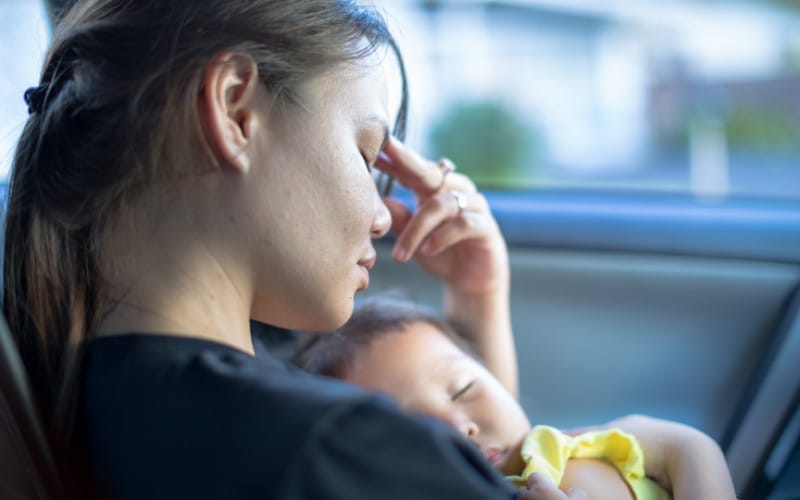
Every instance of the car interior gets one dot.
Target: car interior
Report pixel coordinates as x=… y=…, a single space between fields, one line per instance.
x=669 y=304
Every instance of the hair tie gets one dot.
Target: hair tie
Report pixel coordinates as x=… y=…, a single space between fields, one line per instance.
x=34 y=98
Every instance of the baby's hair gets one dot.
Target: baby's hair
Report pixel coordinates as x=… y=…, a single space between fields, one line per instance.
x=333 y=354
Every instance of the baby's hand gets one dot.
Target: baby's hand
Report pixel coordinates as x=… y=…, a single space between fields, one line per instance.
x=541 y=488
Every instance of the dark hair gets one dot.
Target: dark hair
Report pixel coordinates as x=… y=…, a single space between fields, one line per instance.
x=333 y=354
x=115 y=110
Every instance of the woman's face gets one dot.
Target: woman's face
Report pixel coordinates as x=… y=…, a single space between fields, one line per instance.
x=426 y=372
x=315 y=207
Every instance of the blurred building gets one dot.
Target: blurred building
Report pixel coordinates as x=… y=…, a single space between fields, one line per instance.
x=597 y=79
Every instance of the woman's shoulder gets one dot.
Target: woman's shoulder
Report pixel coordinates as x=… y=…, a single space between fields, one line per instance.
x=135 y=369
x=203 y=411
x=187 y=419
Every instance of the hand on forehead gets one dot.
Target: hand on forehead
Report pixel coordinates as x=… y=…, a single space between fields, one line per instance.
x=422 y=176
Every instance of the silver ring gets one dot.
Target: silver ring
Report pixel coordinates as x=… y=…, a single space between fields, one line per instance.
x=461 y=200
x=445 y=166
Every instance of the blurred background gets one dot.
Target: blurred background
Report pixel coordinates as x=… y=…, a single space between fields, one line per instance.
x=698 y=96
x=643 y=161
x=24 y=34
x=695 y=96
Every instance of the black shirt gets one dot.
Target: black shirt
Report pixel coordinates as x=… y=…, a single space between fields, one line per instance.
x=171 y=417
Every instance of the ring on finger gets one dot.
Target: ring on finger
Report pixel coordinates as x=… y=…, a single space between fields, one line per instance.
x=445 y=166
x=461 y=200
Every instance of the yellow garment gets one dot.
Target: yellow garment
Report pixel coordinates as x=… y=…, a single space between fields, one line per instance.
x=547 y=450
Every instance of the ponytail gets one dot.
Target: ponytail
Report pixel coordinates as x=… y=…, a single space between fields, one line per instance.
x=49 y=281
x=115 y=112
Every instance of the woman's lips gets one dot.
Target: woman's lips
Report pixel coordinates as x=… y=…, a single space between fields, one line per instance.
x=365 y=265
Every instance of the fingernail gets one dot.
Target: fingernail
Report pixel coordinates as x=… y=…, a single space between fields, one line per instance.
x=426 y=247
x=399 y=254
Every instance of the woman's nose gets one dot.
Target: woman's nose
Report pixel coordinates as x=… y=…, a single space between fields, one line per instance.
x=382 y=219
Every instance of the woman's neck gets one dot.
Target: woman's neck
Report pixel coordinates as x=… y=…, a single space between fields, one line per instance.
x=170 y=277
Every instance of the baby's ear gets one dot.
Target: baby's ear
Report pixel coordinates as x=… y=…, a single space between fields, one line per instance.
x=231 y=87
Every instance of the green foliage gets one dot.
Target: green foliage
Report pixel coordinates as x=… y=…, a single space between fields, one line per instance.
x=750 y=128
x=487 y=141
x=791 y=4
x=754 y=128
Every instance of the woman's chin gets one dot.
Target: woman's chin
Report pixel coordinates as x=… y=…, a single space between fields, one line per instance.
x=335 y=317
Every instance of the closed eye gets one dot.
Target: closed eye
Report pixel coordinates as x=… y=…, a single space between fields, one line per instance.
x=462 y=391
x=370 y=153
x=367 y=163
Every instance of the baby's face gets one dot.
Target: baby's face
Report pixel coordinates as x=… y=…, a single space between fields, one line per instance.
x=427 y=373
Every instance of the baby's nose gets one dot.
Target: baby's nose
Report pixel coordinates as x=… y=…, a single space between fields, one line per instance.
x=469 y=429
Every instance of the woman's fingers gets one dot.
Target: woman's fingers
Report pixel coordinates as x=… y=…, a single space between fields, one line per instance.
x=447 y=217
x=423 y=177
x=541 y=488
x=577 y=494
x=405 y=165
x=400 y=214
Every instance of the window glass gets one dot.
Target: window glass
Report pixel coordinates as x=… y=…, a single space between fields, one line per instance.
x=698 y=96
x=24 y=34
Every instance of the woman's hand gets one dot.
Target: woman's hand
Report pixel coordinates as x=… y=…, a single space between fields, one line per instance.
x=541 y=488
x=452 y=234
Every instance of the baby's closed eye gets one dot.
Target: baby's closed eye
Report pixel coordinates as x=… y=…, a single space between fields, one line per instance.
x=463 y=390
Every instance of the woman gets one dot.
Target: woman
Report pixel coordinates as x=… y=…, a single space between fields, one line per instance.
x=188 y=166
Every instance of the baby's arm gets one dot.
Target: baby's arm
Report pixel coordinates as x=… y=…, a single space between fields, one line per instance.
x=696 y=467
x=680 y=458
x=595 y=476
x=482 y=315
x=598 y=478
x=485 y=322
x=454 y=237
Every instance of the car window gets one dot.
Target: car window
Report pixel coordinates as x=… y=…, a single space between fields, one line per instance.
x=689 y=96
x=24 y=34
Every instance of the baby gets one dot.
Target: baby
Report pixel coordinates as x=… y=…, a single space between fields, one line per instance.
x=411 y=354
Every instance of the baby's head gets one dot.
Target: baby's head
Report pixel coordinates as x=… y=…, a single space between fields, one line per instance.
x=409 y=353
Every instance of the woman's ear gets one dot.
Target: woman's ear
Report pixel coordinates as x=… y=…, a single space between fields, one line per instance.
x=228 y=104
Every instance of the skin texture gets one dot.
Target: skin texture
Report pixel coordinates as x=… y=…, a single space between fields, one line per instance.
x=280 y=227
x=596 y=478
x=427 y=373
x=318 y=202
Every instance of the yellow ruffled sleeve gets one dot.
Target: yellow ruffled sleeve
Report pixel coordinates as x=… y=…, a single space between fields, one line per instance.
x=547 y=450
